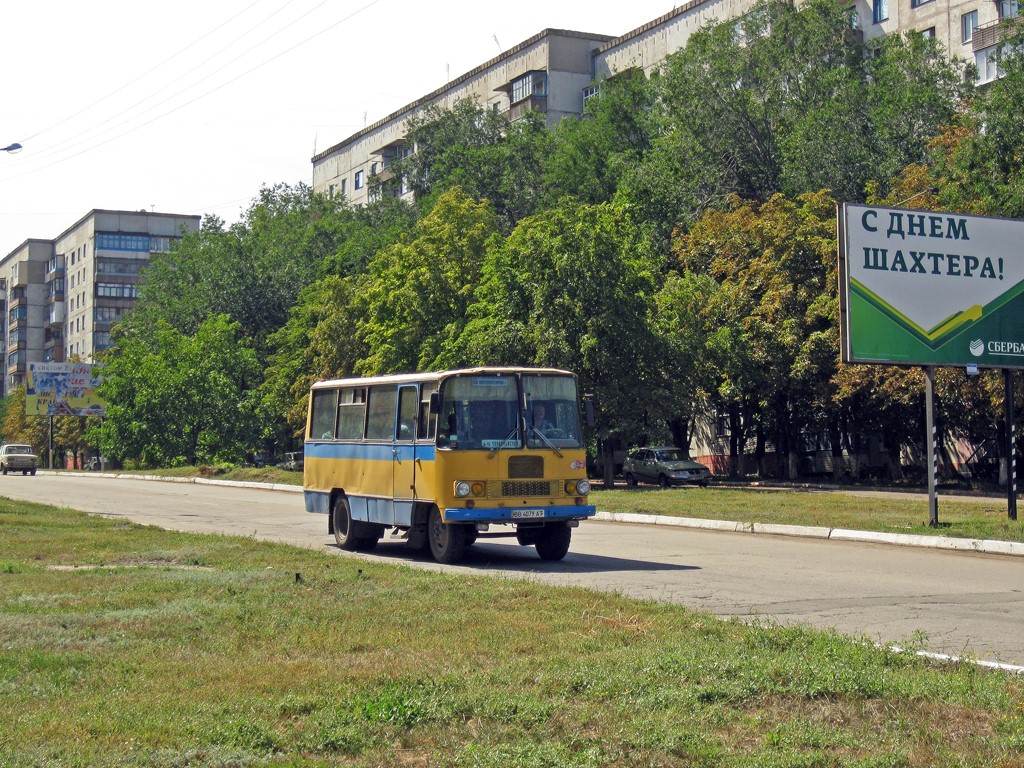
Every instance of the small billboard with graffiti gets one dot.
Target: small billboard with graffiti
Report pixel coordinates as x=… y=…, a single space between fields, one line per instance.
x=63 y=389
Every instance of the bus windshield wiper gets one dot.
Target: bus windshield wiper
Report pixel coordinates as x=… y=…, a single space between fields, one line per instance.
x=547 y=442
x=503 y=443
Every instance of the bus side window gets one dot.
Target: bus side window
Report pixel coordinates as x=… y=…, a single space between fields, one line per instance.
x=381 y=409
x=427 y=422
x=325 y=406
x=407 y=399
x=351 y=414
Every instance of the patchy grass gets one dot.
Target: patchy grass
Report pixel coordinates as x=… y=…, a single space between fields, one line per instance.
x=209 y=651
x=978 y=518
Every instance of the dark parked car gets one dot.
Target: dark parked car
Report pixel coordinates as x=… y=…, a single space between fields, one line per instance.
x=292 y=461
x=664 y=465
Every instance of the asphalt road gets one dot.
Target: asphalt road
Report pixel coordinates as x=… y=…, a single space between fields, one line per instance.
x=965 y=604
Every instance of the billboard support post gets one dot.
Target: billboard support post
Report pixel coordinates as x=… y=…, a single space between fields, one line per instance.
x=49 y=448
x=929 y=398
x=1011 y=447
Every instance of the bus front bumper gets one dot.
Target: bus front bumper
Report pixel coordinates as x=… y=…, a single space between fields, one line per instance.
x=516 y=515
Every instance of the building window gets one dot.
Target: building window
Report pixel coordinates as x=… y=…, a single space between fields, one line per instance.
x=359 y=179
x=1009 y=9
x=111 y=242
x=118 y=267
x=880 y=11
x=344 y=186
x=918 y=3
x=988 y=69
x=374 y=167
x=928 y=33
x=589 y=92
x=115 y=290
x=968 y=23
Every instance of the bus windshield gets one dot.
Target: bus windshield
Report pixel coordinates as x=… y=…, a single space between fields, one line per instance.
x=484 y=412
x=552 y=413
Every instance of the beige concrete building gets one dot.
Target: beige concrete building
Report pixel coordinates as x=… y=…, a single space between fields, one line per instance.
x=62 y=296
x=547 y=73
x=555 y=70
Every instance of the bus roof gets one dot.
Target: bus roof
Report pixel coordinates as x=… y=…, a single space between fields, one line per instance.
x=410 y=378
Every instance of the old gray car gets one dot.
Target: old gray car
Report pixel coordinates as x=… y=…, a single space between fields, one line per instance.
x=17 y=457
x=665 y=465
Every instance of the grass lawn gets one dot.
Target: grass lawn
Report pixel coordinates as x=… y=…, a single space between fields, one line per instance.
x=125 y=645
x=980 y=519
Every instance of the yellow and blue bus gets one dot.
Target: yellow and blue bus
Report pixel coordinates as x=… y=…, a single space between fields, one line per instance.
x=444 y=458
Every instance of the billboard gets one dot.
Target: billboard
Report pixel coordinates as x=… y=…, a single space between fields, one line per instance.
x=63 y=389
x=928 y=288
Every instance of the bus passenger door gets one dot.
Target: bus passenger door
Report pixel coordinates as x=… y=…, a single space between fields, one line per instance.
x=405 y=459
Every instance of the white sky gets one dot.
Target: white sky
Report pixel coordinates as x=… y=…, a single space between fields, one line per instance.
x=190 y=107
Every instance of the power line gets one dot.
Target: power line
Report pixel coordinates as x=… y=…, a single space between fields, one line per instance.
x=99 y=129
x=212 y=90
x=144 y=74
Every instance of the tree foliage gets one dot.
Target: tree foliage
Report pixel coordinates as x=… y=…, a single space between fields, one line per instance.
x=179 y=399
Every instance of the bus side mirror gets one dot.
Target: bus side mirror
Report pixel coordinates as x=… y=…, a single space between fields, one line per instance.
x=435 y=403
x=588 y=409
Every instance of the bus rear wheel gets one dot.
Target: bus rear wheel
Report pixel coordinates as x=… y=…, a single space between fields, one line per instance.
x=553 y=542
x=447 y=541
x=351 y=535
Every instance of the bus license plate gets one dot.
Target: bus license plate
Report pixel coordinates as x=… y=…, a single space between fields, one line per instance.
x=527 y=514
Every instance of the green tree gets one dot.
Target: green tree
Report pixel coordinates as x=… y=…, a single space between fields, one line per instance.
x=317 y=342
x=413 y=300
x=976 y=164
x=479 y=151
x=687 y=380
x=775 y=337
x=572 y=288
x=252 y=271
x=785 y=100
x=181 y=399
x=20 y=427
x=591 y=154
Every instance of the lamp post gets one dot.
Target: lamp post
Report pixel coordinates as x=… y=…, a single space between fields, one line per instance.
x=12 y=148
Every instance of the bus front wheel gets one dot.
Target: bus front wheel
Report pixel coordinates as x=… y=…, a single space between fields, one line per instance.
x=447 y=541
x=553 y=542
x=350 y=534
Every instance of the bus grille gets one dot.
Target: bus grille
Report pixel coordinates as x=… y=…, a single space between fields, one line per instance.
x=519 y=488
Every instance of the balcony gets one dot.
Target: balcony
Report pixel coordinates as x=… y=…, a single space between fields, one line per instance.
x=530 y=104
x=987 y=35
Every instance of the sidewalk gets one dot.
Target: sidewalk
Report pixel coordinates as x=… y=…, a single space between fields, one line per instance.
x=981 y=546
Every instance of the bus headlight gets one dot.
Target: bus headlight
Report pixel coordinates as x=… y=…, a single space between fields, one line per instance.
x=577 y=487
x=463 y=489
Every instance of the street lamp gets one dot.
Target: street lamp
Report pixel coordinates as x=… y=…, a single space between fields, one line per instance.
x=12 y=148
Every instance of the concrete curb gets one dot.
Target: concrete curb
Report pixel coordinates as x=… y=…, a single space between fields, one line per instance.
x=193 y=480
x=981 y=546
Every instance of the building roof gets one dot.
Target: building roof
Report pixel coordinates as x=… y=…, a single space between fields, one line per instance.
x=433 y=95
x=143 y=212
x=645 y=28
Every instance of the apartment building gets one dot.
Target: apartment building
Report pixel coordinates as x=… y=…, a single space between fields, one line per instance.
x=547 y=73
x=61 y=296
x=554 y=71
